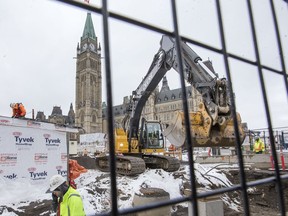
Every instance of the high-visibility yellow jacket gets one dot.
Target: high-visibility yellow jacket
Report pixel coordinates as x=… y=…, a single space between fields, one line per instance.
x=259 y=146
x=72 y=204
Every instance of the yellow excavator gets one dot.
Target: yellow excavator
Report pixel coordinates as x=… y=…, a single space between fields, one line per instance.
x=141 y=144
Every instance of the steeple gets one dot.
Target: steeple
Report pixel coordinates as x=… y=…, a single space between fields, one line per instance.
x=88 y=109
x=165 y=86
x=71 y=115
x=71 y=111
x=89 y=28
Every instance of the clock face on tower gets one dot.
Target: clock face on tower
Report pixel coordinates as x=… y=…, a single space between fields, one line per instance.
x=92 y=47
x=85 y=46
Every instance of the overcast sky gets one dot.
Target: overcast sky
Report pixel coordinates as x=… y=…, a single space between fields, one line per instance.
x=39 y=38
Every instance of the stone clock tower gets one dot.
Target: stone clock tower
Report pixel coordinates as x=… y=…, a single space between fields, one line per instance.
x=88 y=107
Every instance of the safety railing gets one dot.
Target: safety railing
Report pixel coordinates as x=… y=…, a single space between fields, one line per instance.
x=244 y=184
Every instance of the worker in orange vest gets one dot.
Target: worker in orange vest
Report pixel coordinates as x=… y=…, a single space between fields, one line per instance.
x=172 y=148
x=18 y=110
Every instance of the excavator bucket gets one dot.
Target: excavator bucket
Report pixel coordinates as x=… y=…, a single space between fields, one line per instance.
x=204 y=134
x=175 y=132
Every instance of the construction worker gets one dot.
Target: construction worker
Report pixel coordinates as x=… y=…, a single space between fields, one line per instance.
x=85 y=152
x=65 y=199
x=18 y=110
x=172 y=148
x=259 y=146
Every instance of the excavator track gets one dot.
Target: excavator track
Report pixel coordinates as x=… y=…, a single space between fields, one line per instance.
x=125 y=165
x=169 y=164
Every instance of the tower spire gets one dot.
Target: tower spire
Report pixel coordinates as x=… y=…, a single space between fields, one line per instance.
x=165 y=86
x=89 y=28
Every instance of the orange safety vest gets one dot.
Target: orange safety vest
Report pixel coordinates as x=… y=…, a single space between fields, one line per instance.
x=172 y=148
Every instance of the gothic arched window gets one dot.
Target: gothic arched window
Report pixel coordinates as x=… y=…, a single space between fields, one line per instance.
x=94 y=118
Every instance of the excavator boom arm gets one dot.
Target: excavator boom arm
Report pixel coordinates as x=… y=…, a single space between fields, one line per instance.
x=215 y=108
x=139 y=97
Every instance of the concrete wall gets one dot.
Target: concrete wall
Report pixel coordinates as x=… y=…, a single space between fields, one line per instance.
x=261 y=161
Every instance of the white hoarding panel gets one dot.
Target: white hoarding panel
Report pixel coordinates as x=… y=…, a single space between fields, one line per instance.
x=94 y=142
x=31 y=151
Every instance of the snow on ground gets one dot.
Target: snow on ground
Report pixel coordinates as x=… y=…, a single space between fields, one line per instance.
x=127 y=186
x=15 y=194
x=94 y=187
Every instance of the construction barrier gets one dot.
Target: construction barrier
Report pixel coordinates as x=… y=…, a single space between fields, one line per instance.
x=31 y=150
x=283 y=166
x=282 y=159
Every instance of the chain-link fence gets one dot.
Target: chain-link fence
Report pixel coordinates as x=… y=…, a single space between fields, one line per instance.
x=227 y=57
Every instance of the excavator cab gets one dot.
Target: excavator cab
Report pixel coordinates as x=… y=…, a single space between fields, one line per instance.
x=151 y=137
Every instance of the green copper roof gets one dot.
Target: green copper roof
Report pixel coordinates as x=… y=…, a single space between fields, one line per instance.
x=89 y=28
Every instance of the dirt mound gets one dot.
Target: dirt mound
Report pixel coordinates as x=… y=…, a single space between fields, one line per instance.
x=262 y=198
x=42 y=208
